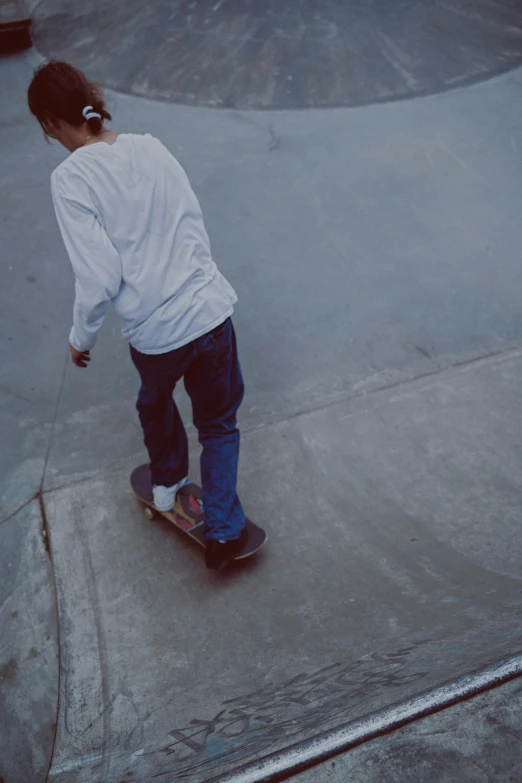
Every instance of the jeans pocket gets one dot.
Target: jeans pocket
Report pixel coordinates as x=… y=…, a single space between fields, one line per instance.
x=220 y=341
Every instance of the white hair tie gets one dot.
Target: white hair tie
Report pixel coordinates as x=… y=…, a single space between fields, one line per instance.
x=89 y=114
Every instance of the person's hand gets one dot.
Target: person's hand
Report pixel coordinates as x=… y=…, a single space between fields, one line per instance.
x=79 y=358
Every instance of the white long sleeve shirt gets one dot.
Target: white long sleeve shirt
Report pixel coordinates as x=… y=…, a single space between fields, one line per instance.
x=134 y=232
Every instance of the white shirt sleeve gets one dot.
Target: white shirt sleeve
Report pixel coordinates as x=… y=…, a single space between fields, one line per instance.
x=95 y=262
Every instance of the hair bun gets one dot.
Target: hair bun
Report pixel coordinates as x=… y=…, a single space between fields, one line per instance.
x=88 y=113
x=94 y=119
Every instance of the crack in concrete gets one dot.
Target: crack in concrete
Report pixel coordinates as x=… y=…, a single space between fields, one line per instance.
x=44 y=526
x=17 y=511
x=275 y=139
x=47 y=545
x=15 y=395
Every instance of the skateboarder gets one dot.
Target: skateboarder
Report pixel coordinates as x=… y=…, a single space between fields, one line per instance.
x=134 y=232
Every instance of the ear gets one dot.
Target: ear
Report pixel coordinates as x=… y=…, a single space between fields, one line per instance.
x=52 y=127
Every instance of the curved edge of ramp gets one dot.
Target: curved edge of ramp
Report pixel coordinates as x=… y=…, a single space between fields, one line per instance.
x=296 y=758
x=29 y=648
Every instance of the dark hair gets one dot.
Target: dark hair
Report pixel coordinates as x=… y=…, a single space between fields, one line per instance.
x=60 y=91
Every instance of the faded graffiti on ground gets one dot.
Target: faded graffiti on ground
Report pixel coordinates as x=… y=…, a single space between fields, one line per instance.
x=263 y=719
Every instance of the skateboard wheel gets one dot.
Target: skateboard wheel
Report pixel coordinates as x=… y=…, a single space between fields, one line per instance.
x=149 y=513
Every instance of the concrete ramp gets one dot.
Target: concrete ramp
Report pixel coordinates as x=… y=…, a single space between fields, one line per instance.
x=392 y=567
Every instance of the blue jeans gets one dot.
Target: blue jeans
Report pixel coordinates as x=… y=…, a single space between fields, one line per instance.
x=212 y=376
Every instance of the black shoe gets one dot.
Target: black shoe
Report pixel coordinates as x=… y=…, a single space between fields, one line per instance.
x=219 y=555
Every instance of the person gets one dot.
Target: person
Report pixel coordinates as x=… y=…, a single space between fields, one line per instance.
x=134 y=232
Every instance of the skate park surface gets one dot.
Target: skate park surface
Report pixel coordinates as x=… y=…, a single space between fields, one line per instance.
x=373 y=236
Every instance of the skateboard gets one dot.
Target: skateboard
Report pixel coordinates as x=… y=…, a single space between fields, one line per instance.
x=187 y=514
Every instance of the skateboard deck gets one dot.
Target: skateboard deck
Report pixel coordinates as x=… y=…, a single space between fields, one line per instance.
x=187 y=514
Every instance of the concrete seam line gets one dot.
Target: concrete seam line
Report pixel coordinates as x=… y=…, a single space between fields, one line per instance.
x=55 y=419
x=49 y=549
x=282 y=764
x=512 y=351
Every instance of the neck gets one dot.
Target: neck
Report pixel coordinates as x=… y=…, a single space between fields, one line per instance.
x=92 y=138
x=85 y=140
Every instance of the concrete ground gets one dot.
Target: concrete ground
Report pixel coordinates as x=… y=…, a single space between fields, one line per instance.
x=478 y=741
x=375 y=252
